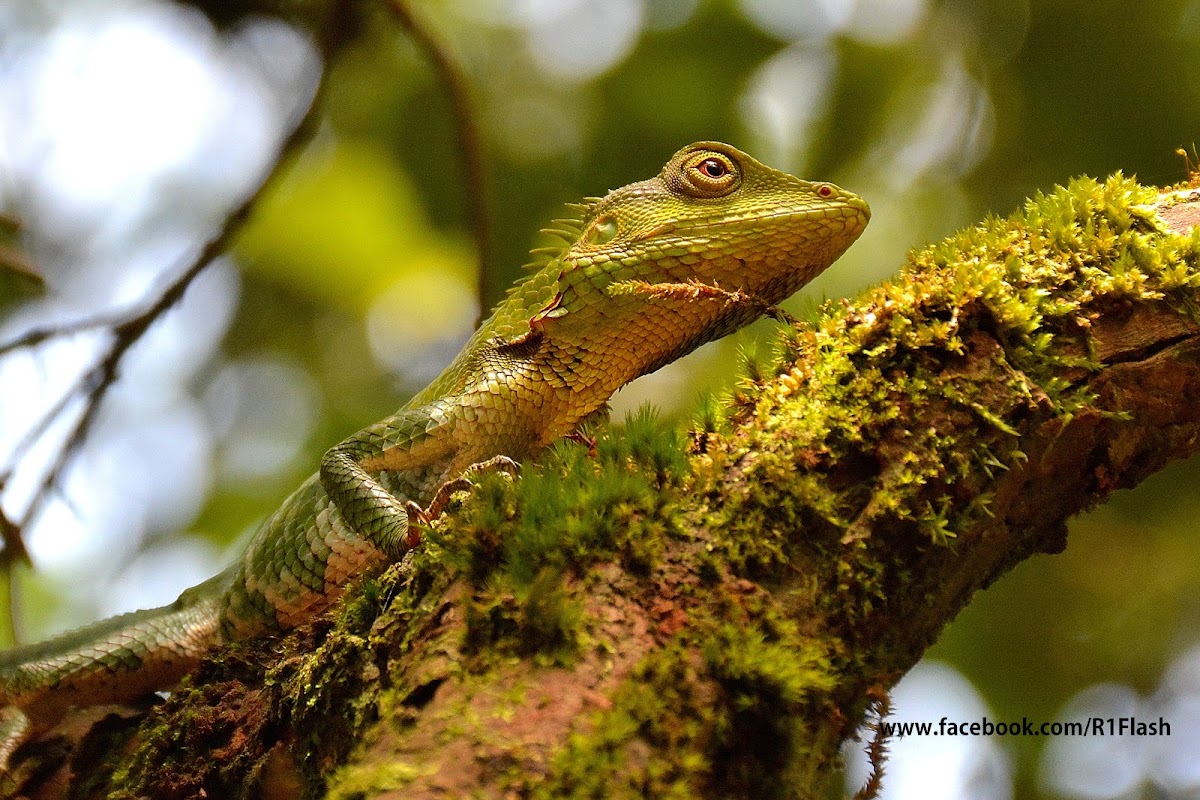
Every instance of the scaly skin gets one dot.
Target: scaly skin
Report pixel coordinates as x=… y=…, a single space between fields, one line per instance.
x=647 y=273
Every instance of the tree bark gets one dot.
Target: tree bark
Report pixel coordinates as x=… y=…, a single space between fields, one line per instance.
x=641 y=624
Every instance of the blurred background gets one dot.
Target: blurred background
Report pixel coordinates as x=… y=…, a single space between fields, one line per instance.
x=130 y=128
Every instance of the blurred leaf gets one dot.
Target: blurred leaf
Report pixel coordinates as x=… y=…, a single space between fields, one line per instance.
x=344 y=228
x=20 y=279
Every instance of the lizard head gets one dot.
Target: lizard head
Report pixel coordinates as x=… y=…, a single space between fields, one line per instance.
x=654 y=269
x=715 y=216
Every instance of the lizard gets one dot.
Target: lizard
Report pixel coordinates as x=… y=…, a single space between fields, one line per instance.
x=643 y=275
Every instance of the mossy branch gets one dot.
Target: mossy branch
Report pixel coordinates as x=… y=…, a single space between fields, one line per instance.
x=641 y=623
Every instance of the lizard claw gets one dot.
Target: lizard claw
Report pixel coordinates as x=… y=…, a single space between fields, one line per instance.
x=441 y=498
x=417 y=516
x=587 y=441
x=502 y=463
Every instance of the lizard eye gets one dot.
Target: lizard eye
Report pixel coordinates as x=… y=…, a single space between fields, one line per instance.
x=709 y=174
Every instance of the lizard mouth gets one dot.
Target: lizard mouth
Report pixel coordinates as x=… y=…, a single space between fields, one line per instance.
x=854 y=211
x=824 y=210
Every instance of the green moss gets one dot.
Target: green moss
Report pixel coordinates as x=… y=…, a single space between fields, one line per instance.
x=756 y=364
x=1010 y=297
x=709 y=416
x=659 y=707
x=518 y=543
x=543 y=619
x=362 y=781
x=212 y=732
x=767 y=682
x=572 y=508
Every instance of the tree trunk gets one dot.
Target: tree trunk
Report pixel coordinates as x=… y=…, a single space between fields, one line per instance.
x=647 y=623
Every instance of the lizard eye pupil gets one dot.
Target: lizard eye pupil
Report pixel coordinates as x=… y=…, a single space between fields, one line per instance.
x=825 y=190
x=706 y=174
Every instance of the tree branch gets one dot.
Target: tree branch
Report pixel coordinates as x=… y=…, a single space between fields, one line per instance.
x=634 y=625
x=470 y=141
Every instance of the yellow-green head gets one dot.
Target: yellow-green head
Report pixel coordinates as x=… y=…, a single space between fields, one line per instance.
x=717 y=216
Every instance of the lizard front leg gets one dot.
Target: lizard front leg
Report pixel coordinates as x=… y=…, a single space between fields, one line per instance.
x=410 y=440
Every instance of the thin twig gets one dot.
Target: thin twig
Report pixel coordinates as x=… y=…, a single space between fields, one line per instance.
x=39 y=428
x=35 y=336
x=881 y=704
x=470 y=142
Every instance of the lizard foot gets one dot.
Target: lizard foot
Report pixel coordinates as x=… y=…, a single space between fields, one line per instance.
x=423 y=516
x=587 y=441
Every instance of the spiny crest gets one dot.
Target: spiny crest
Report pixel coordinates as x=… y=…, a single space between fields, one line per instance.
x=567 y=230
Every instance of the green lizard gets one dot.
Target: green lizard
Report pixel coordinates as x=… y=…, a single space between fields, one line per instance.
x=647 y=273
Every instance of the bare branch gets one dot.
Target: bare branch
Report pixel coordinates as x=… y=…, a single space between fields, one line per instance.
x=35 y=336
x=470 y=141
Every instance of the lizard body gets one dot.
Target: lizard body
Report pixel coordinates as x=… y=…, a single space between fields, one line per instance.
x=646 y=274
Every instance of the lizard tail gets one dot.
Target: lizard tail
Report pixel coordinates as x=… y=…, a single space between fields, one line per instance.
x=114 y=660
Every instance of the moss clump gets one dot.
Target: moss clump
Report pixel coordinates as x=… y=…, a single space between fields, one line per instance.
x=214 y=733
x=362 y=781
x=518 y=544
x=544 y=619
x=1013 y=298
x=767 y=684
x=311 y=691
x=662 y=709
